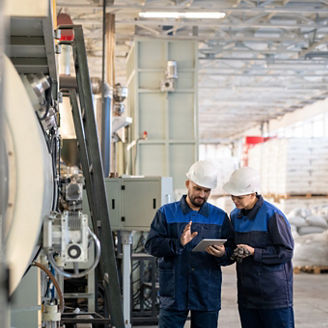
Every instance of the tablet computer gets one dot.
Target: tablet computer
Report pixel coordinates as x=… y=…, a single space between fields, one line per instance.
x=204 y=243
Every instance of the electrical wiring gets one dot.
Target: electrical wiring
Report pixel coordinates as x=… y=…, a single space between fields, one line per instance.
x=142 y=299
x=55 y=282
x=139 y=248
x=48 y=99
x=53 y=144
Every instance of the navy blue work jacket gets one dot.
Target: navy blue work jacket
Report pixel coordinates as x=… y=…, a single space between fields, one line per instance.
x=265 y=280
x=188 y=280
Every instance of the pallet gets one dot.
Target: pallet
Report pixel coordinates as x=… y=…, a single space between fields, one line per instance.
x=315 y=269
x=307 y=195
x=278 y=197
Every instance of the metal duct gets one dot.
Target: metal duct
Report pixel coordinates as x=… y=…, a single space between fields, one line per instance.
x=103 y=117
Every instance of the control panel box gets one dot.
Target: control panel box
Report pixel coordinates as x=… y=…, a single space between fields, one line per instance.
x=133 y=201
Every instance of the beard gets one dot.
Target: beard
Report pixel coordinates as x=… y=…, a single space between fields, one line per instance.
x=197 y=201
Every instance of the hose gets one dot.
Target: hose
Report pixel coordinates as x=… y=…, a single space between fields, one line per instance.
x=85 y=272
x=54 y=281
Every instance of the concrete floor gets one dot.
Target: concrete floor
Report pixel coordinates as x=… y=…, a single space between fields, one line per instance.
x=310 y=301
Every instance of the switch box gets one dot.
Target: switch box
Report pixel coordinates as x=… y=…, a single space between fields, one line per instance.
x=133 y=201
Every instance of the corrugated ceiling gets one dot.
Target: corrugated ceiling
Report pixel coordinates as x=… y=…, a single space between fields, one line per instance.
x=264 y=59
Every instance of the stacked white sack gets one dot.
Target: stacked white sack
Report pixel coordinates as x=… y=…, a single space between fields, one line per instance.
x=311 y=249
x=306 y=220
x=287 y=205
x=310 y=232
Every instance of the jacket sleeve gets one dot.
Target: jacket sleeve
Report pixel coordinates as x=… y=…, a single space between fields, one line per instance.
x=227 y=233
x=281 y=250
x=158 y=242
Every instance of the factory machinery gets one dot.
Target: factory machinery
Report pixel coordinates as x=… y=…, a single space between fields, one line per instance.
x=63 y=223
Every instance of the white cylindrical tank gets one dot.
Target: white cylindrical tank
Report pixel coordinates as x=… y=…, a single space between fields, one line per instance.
x=30 y=182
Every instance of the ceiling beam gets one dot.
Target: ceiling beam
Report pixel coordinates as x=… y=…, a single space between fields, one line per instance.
x=276 y=61
x=242 y=10
x=283 y=73
x=311 y=86
x=313 y=46
x=203 y=36
x=218 y=24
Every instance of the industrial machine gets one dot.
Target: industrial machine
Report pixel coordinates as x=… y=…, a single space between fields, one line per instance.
x=58 y=212
x=132 y=204
x=41 y=213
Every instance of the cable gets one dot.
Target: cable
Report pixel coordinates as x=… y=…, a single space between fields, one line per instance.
x=54 y=281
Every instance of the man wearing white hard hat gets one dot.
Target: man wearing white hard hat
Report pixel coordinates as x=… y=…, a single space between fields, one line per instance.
x=190 y=281
x=264 y=250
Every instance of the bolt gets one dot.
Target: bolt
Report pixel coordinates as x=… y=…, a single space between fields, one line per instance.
x=106 y=277
x=60 y=97
x=58 y=49
x=57 y=34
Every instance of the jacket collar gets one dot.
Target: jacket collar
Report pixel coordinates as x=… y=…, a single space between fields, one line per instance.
x=251 y=214
x=204 y=210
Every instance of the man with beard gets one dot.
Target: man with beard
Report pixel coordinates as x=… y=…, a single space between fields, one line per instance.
x=190 y=281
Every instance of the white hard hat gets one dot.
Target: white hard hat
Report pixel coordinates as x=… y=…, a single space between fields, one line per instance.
x=203 y=173
x=243 y=181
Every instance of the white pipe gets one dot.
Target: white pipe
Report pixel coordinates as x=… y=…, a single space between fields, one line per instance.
x=127 y=242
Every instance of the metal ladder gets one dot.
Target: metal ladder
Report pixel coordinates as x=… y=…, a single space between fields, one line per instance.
x=86 y=133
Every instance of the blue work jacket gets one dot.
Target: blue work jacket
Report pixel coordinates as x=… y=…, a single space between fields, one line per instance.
x=265 y=280
x=188 y=280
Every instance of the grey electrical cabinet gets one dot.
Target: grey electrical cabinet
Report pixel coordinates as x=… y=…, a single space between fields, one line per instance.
x=133 y=201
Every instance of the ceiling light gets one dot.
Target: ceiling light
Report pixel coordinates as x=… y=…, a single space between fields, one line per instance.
x=176 y=15
x=209 y=15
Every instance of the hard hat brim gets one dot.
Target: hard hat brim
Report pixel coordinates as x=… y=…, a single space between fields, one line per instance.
x=231 y=189
x=200 y=184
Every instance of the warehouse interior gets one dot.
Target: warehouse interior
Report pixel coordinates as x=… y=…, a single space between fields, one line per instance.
x=105 y=104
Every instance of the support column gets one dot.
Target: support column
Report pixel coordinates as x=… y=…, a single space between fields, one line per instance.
x=127 y=242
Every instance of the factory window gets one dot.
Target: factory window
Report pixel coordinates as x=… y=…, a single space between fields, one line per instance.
x=317 y=126
x=326 y=124
x=307 y=129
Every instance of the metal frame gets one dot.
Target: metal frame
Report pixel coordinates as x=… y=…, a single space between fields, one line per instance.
x=85 y=127
x=150 y=316
x=165 y=144
x=271 y=48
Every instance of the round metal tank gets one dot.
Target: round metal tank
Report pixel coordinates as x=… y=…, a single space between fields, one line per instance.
x=30 y=176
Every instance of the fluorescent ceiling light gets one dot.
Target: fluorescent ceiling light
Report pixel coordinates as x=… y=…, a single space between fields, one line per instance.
x=176 y=15
x=210 y=15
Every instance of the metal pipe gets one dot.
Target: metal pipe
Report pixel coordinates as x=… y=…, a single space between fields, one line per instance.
x=127 y=242
x=106 y=128
x=69 y=82
x=106 y=100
